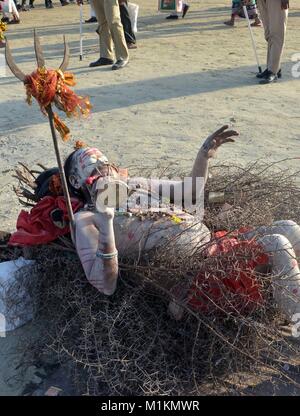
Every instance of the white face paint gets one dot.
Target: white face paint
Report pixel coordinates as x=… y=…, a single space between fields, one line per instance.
x=85 y=163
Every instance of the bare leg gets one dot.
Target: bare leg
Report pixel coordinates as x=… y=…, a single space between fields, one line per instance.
x=287 y=228
x=285 y=271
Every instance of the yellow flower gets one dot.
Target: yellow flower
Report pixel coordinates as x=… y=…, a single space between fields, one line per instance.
x=176 y=219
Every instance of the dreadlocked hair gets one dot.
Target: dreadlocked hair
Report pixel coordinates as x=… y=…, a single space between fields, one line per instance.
x=45 y=179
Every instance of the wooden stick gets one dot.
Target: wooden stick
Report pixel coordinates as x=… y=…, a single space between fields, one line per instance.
x=62 y=172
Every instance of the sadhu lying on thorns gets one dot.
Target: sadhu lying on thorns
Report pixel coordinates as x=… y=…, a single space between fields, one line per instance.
x=106 y=231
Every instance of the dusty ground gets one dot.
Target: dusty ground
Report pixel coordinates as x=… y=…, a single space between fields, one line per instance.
x=186 y=78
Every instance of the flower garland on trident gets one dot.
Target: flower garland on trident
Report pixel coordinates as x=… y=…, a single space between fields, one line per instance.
x=52 y=86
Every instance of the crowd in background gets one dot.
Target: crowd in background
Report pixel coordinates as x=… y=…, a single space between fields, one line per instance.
x=117 y=35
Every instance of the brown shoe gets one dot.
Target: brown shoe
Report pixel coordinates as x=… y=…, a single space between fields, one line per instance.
x=131 y=46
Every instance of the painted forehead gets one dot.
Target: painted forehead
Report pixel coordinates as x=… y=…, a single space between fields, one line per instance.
x=89 y=156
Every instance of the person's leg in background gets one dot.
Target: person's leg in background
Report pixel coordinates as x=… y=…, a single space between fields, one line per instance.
x=263 y=12
x=174 y=15
x=93 y=18
x=15 y=13
x=274 y=19
x=278 y=19
x=185 y=9
x=48 y=4
x=127 y=26
x=12 y=7
x=235 y=8
x=105 y=39
x=24 y=6
x=113 y=18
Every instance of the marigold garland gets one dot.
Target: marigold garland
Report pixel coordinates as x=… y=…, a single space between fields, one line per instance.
x=52 y=86
x=79 y=144
x=2 y=30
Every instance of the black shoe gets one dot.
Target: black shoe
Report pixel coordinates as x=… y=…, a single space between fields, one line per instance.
x=185 y=10
x=269 y=79
x=64 y=3
x=13 y=22
x=119 y=64
x=266 y=73
x=91 y=20
x=263 y=74
x=101 y=62
x=5 y=19
x=172 y=16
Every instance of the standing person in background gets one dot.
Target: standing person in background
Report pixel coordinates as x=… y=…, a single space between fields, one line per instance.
x=174 y=15
x=274 y=15
x=111 y=35
x=127 y=25
x=237 y=11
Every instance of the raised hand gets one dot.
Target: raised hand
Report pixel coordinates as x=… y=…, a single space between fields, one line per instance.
x=215 y=140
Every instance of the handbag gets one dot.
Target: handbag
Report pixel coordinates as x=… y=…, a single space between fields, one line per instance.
x=170 y=6
x=133 y=10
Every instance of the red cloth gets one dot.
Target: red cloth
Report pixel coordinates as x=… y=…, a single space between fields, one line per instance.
x=229 y=282
x=36 y=227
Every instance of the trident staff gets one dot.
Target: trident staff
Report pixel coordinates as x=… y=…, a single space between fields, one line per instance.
x=252 y=39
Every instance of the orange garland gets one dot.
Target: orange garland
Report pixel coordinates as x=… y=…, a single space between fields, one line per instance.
x=47 y=86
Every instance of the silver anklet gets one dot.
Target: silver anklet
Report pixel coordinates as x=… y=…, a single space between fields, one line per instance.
x=106 y=256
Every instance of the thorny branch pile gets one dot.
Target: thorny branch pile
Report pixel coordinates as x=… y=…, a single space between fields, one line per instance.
x=128 y=344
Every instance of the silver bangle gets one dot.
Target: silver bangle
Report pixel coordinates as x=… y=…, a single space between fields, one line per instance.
x=106 y=256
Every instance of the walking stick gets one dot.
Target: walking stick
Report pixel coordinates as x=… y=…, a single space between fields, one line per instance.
x=252 y=38
x=80 y=31
x=22 y=77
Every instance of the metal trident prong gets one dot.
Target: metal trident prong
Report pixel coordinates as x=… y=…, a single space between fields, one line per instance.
x=38 y=50
x=65 y=61
x=39 y=58
x=22 y=77
x=12 y=65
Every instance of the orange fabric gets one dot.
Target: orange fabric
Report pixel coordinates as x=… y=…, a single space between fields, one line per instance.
x=36 y=227
x=47 y=86
x=229 y=282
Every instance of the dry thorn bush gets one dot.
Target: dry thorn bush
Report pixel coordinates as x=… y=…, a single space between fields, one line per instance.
x=128 y=344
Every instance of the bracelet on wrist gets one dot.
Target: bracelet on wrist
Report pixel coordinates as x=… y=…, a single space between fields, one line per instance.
x=106 y=256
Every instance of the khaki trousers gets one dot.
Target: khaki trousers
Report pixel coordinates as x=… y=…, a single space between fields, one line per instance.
x=275 y=23
x=111 y=32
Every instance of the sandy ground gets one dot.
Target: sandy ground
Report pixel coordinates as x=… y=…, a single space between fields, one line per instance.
x=187 y=78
